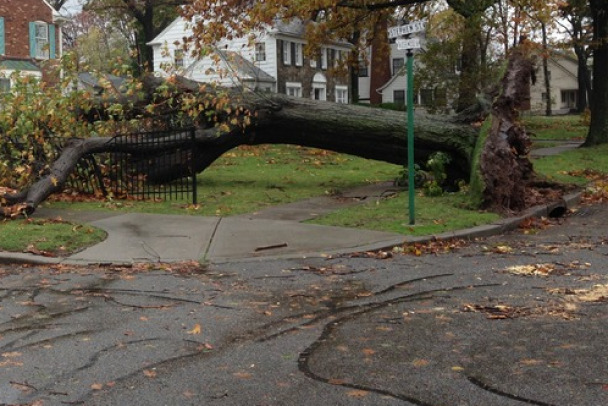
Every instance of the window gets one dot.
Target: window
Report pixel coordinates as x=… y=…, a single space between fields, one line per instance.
x=337 y=58
x=568 y=98
x=287 y=52
x=298 y=54
x=426 y=97
x=363 y=73
x=293 y=89
x=398 y=63
x=5 y=84
x=2 y=47
x=178 y=58
x=342 y=94
x=260 y=52
x=40 y=40
x=399 y=97
x=323 y=58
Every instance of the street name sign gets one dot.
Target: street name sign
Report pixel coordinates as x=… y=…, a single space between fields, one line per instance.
x=411 y=28
x=411 y=43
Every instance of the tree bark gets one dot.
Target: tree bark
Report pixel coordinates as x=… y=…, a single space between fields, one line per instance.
x=363 y=131
x=598 y=128
x=504 y=164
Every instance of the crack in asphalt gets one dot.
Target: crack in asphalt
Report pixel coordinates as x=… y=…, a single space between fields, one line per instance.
x=303 y=359
x=477 y=382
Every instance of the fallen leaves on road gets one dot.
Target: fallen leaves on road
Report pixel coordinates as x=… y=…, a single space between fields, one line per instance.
x=533 y=225
x=242 y=375
x=337 y=269
x=546 y=269
x=497 y=312
x=149 y=373
x=197 y=329
x=435 y=246
x=597 y=293
x=357 y=393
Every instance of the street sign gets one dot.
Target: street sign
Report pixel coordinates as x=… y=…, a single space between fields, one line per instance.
x=411 y=43
x=411 y=28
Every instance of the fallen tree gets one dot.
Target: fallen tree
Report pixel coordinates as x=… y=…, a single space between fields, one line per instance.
x=357 y=130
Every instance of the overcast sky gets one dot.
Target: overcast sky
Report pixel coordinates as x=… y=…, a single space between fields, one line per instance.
x=71 y=7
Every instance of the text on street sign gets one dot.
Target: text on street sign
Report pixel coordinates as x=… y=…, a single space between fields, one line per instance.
x=412 y=43
x=406 y=29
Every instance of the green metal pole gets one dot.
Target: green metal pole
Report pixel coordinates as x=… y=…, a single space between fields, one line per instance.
x=410 y=133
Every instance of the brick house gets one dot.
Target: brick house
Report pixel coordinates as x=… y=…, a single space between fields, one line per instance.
x=274 y=62
x=30 y=37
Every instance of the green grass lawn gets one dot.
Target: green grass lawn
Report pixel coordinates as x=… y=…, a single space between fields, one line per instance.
x=47 y=237
x=247 y=179
x=432 y=215
x=560 y=128
x=568 y=167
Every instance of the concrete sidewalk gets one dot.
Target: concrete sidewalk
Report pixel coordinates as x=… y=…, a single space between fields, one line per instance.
x=137 y=237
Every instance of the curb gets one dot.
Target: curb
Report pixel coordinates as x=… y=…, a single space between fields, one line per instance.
x=555 y=209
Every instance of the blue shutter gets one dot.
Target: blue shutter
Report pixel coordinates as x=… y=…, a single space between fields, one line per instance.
x=33 y=40
x=2 y=48
x=51 y=41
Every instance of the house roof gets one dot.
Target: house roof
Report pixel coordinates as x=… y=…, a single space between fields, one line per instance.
x=293 y=28
x=245 y=70
x=94 y=81
x=18 y=65
x=57 y=18
x=401 y=72
x=159 y=39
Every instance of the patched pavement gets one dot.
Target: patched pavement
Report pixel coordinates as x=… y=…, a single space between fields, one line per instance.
x=519 y=319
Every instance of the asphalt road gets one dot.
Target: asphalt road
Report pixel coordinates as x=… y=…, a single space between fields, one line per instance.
x=513 y=320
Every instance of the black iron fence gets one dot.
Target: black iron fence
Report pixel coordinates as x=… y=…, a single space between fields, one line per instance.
x=154 y=165
x=145 y=165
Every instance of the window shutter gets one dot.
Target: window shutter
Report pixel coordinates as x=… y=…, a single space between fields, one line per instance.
x=2 y=48
x=51 y=41
x=33 y=40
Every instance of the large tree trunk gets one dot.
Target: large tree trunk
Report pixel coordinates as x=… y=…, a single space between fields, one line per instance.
x=504 y=164
x=357 y=130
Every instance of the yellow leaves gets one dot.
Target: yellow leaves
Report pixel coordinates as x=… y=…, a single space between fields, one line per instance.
x=242 y=375
x=419 y=363
x=597 y=293
x=149 y=373
x=10 y=362
x=496 y=312
x=368 y=352
x=546 y=269
x=197 y=329
x=357 y=393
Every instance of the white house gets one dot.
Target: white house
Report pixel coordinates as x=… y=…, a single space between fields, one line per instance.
x=563 y=77
x=274 y=61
